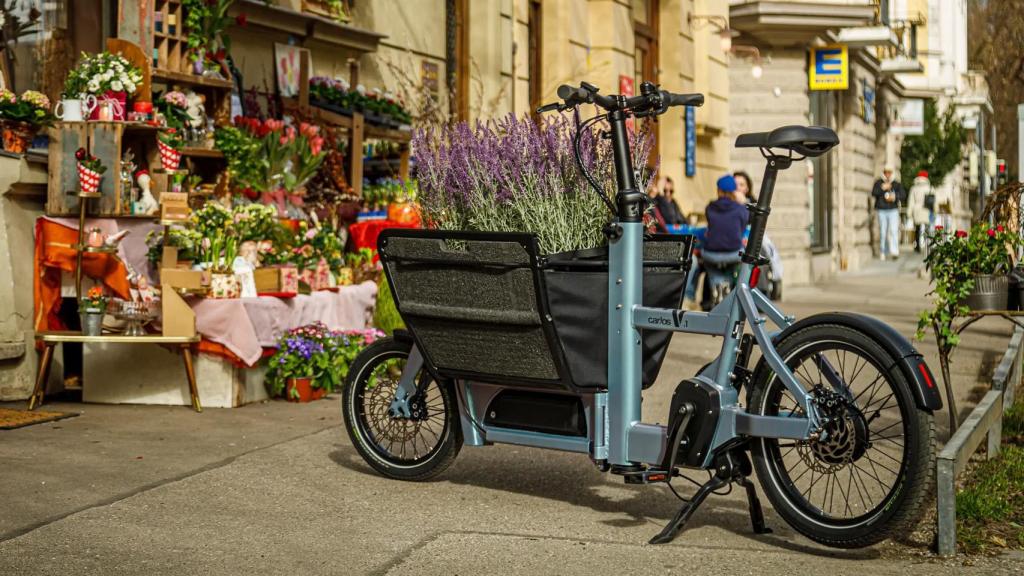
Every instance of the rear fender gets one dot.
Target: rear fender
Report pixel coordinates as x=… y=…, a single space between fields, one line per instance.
x=906 y=358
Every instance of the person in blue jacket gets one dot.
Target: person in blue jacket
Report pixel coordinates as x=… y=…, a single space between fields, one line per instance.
x=727 y=222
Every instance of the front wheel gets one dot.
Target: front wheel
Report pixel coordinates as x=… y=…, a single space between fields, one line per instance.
x=868 y=479
x=416 y=448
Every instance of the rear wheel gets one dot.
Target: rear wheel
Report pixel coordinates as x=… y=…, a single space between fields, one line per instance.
x=416 y=448
x=868 y=479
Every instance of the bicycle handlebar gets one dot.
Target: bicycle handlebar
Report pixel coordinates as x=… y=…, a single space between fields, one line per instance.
x=651 y=101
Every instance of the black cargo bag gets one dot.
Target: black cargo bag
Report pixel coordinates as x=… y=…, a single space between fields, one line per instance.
x=486 y=307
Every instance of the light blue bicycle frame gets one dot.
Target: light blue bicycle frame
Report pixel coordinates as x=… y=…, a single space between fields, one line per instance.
x=615 y=431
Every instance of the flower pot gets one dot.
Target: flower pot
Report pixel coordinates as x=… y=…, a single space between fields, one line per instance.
x=88 y=180
x=92 y=322
x=18 y=136
x=170 y=158
x=225 y=286
x=115 y=102
x=990 y=292
x=302 y=390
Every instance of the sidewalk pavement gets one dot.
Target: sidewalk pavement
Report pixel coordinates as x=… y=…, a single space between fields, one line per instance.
x=277 y=488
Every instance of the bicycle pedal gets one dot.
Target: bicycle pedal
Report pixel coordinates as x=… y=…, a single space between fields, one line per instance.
x=651 y=476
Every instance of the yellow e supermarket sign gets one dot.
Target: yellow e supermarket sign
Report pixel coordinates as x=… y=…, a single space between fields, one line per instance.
x=829 y=68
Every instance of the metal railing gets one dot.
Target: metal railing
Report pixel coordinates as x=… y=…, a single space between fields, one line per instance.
x=985 y=421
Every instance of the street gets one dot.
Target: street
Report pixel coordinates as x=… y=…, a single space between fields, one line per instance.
x=277 y=488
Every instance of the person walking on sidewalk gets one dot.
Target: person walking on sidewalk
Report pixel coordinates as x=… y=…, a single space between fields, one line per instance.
x=888 y=195
x=920 y=203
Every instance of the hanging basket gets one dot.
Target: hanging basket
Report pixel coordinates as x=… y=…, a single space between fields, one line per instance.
x=170 y=158
x=990 y=292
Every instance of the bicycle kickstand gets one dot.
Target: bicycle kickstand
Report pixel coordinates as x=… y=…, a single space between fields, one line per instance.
x=756 y=513
x=673 y=528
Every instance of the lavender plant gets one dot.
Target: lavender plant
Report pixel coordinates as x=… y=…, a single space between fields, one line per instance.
x=513 y=175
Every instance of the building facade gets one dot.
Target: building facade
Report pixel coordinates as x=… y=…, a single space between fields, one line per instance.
x=823 y=211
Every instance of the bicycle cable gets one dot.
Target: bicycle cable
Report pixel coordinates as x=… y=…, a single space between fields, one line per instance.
x=580 y=127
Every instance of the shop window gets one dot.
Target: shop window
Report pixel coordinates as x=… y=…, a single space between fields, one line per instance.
x=819 y=182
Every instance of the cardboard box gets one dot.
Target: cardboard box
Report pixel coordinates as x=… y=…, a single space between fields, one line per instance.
x=178 y=317
x=283 y=280
x=174 y=207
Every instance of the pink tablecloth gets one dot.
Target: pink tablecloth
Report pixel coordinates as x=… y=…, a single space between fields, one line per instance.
x=247 y=325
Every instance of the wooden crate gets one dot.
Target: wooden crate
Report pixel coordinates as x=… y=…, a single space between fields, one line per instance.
x=107 y=141
x=65 y=139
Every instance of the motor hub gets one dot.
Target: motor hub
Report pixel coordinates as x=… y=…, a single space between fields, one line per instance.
x=846 y=432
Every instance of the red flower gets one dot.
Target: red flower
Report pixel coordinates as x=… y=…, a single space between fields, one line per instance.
x=250 y=194
x=991 y=233
x=1000 y=228
x=961 y=234
x=81 y=154
x=241 y=19
x=316 y=145
x=938 y=228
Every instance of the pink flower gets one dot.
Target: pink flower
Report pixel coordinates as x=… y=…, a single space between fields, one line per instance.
x=316 y=145
x=311 y=233
x=991 y=233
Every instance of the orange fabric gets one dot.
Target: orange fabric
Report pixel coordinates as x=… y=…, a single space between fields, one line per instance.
x=216 y=349
x=53 y=255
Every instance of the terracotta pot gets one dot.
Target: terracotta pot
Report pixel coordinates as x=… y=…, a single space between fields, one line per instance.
x=18 y=136
x=301 y=390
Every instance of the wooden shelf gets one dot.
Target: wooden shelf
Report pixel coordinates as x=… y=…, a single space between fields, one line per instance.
x=306 y=26
x=170 y=76
x=202 y=153
x=374 y=131
x=68 y=336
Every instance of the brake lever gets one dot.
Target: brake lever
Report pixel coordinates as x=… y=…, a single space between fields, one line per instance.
x=554 y=106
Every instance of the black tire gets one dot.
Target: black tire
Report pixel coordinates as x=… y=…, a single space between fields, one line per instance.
x=868 y=513
x=369 y=389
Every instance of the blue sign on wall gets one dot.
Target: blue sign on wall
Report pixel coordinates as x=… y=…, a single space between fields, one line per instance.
x=691 y=141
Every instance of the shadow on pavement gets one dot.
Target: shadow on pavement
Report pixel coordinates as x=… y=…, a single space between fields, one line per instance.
x=645 y=506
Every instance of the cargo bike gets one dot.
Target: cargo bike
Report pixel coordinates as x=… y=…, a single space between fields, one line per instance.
x=508 y=345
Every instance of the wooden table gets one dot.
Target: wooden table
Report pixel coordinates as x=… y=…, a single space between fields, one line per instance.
x=51 y=338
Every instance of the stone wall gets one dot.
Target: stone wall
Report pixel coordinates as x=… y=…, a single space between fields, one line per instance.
x=778 y=98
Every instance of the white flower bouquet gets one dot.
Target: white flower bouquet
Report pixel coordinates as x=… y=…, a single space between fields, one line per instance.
x=100 y=73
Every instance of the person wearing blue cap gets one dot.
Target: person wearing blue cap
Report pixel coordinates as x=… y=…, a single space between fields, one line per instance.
x=727 y=220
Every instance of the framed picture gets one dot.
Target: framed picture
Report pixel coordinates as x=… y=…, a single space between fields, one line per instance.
x=287 y=61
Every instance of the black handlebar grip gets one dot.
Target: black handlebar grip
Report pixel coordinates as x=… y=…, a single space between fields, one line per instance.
x=566 y=92
x=671 y=99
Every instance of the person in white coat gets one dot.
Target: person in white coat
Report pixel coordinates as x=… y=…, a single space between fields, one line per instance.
x=920 y=205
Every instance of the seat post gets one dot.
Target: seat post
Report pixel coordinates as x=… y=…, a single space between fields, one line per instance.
x=759 y=212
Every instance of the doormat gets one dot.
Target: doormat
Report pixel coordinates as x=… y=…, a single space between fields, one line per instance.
x=11 y=419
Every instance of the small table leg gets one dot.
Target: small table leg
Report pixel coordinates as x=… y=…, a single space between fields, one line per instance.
x=42 y=377
x=191 y=373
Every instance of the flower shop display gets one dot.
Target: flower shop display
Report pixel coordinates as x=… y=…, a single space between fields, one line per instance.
x=513 y=175
x=380 y=107
x=206 y=23
x=318 y=252
x=91 y=309
x=362 y=265
x=272 y=161
x=173 y=106
x=312 y=361
x=90 y=171
x=969 y=271
x=111 y=78
x=22 y=117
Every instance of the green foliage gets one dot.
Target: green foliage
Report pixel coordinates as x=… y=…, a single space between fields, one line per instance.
x=990 y=507
x=1013 y=421
x=954 y=260
x=938 y=150
x=315 y=352
x=206 y=22
x=385 y=314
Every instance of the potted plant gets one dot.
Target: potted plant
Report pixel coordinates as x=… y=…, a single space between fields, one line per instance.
x=22 y=118
x=969 y=272
x=91 y=309
x=174 y=107
x=170 y=143
x=109 y=77
x=300 y=369
x=90 y=171
x=206 y=22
